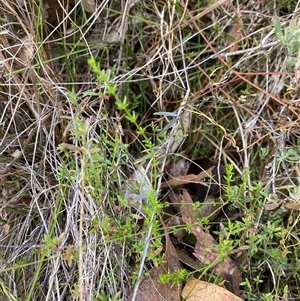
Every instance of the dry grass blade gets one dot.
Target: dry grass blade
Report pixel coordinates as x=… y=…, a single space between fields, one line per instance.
x=205 y=11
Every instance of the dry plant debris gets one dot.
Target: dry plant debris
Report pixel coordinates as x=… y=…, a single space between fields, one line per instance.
x=197 y=290
x=151 y=287
x=106 y=107
x=205 y=249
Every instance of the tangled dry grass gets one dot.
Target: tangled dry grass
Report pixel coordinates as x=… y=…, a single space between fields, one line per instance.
x=66 y=231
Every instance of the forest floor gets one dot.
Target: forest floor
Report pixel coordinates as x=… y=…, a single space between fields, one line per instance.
x=149 y=150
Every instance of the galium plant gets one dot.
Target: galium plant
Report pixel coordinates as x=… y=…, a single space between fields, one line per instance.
x=99 y=159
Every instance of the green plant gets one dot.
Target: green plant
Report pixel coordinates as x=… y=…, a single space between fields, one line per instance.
x=290 y=38
x=74 y=134
x=175 y=278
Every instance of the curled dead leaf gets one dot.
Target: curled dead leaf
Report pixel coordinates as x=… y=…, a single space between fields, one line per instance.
x=185 y=179
x=205 y=249
x=197 y=290
x=273 y=205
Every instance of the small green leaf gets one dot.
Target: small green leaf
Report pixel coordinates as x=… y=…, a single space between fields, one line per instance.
x=90 y=93
x=288 y=34
x=291 y=61
x=297 y=192
x=168 y=114
x=294 y=47
x=278 y=28
x=293 y=26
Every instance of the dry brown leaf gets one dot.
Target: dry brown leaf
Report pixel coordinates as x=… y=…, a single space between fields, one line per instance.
x=56 y=11
x=210 y=208
x=151 y=288
x=175 y=199
x=205 y=249
x=197 y=290
x=188 y=260
x=172 y=260
x=181 y=180
x=293 y=206
x=273 y=205
x=175 y=223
